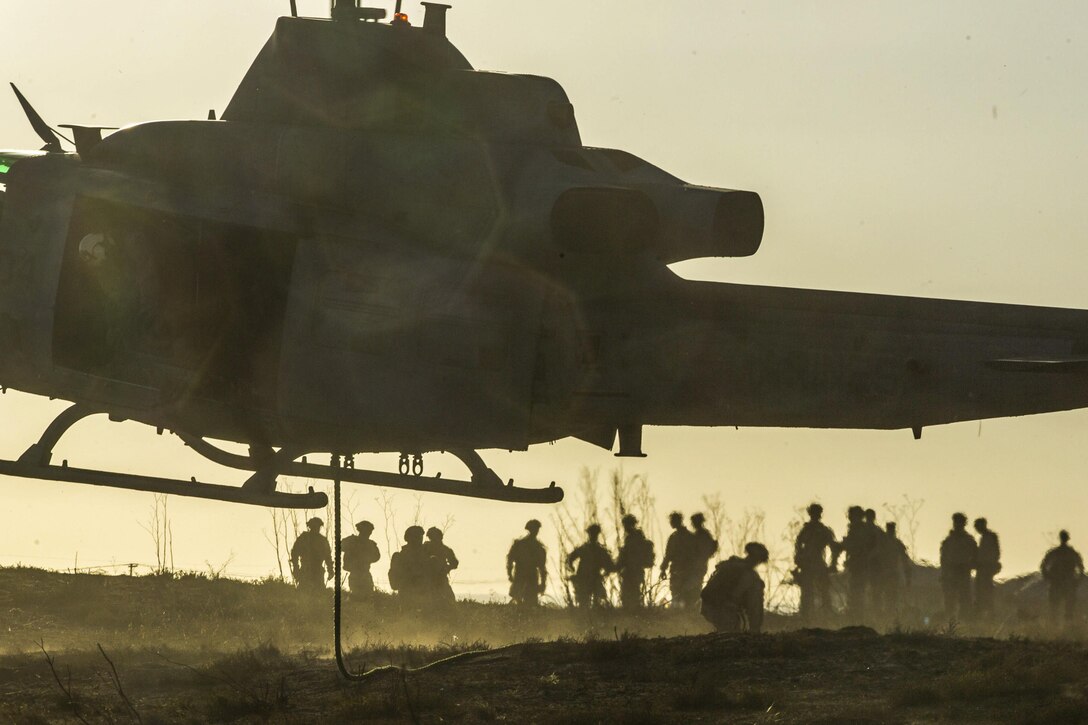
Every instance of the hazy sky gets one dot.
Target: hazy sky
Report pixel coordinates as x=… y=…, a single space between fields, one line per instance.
x=923 y=148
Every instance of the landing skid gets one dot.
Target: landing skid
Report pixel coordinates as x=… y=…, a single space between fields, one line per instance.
x=260 y=488
x=175 y=487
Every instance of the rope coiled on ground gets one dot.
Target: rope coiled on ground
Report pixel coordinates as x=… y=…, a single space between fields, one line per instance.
x=338 y=611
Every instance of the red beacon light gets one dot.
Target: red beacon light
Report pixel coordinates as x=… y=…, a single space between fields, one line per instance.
x=400 y=19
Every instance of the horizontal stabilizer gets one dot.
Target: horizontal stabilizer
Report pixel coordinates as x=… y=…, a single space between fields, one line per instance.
x=87 y=137
x=1041 y=365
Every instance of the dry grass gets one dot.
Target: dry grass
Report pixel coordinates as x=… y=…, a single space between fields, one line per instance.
x=195 y=612
x=828 y=677
x=193 y=649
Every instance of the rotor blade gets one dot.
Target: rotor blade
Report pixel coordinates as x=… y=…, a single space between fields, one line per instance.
x=1051 y=364
x=52 y=143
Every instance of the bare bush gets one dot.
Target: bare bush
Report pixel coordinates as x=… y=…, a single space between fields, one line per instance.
x=394 y=527
x=905 y=515
x=715 y=521
x=782 y=596
x=216 y=572
x=161 y=531
x=625 y=495
x=568 y=530
x=285 y=529
x=751 y=526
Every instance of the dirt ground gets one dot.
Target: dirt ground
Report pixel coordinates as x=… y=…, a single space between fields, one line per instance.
x=196 y=650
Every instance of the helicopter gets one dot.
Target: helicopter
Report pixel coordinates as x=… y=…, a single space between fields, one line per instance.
x=378 y=248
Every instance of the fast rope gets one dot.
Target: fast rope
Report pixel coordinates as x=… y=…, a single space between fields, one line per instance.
x=338 y=594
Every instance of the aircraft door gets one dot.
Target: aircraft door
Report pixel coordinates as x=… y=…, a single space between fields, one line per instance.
x=182 y=304
x=409 y=352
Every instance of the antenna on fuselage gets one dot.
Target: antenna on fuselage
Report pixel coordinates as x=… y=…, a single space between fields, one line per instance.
x=435 y=19
x=294 y=8
x=349 y=10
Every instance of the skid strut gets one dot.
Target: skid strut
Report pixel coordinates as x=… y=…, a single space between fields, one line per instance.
x=266 y=465
x=36 y=462
x=484 y=482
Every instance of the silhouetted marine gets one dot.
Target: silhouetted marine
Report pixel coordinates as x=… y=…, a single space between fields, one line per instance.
x=311 y=557
x=733 y=597
x=861 y=545
x=987 y=566
x=678 y=563
x=636 y=555
x=594 y=563
x=814 y=543
x=412 y=572
x=360 y=552
x=893 y=567
x=443 y=561
x=703 y=547
x=527 y=566
x=959 y=556
x=1063 y=569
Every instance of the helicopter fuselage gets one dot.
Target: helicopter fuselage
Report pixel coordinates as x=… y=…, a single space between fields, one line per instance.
x=381 y=249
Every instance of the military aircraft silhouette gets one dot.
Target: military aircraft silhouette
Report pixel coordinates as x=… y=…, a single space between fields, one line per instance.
x=378 y=248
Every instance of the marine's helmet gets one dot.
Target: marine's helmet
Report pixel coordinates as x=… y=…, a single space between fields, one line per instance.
x=413 y=534
x=435 y=534
x=593 y=530
x=315 y=523
x=959 y=519
x=757 y=552
x=1063 y=535
x=676 y=519
x=629 y=521
x=815 y=509
x=698 y=519
x=532 y=525
x=364 y=527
